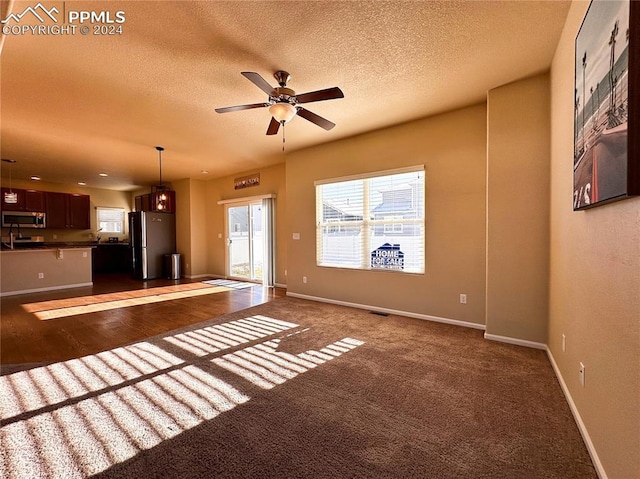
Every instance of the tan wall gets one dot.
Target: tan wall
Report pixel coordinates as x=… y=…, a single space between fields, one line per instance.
x=19 y=269
x=518 y=210
x=191 y=229
x=453 y=148
x=184 y=226
x=594 y=288
x=99 y=197
x=272 y=181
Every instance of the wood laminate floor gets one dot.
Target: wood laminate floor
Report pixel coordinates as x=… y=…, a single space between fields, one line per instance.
x=117 y=310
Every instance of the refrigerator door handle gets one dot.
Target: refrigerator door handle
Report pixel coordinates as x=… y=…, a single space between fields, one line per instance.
x=143 y=264
x=143 y=230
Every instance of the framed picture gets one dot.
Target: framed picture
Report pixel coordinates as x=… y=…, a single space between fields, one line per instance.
x=606 y=161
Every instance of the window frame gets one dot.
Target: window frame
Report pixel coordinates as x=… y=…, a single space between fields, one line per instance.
x=368 y=224
x=100 y=229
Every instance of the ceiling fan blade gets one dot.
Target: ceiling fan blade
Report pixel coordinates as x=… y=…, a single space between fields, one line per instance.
x=241 y=107
x=320 y=95
x=313 y=118
x=258 y=81
x=274 y=125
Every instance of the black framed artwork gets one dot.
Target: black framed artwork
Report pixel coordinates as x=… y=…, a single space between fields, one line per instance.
x=606 y=162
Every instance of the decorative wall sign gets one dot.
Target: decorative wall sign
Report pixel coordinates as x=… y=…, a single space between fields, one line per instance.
x=387 y=256
x=606 y=162
x=246 y=181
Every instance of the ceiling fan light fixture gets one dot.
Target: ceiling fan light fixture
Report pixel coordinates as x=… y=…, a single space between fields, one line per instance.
x=283 y=112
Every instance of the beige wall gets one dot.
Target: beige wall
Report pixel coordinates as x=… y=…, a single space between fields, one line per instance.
x=594 y=289
x=66 y=267
x=518 y=210
x=272 y=181
x=191 y=230
x=452 y=147
x=99 y=197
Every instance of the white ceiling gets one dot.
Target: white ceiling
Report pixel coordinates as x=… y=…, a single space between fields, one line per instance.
x=76 y=105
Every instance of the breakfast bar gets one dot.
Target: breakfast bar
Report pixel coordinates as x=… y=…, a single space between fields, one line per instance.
x=30 y=270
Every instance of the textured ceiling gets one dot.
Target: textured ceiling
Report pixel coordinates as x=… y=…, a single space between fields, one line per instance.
x=75 y=105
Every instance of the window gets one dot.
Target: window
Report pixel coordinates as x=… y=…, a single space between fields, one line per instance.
x=110 y=220
x=372 y=222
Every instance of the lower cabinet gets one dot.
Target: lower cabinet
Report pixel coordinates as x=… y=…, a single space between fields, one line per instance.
x=112 y=258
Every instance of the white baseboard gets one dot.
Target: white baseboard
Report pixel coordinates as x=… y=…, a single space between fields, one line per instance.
x=517 y=342
x=280 y=285
x=49 y=288
x=198 y=276
x=576 y=415
x=408 y=314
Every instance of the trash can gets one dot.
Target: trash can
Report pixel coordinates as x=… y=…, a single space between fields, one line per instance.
x=172 y=266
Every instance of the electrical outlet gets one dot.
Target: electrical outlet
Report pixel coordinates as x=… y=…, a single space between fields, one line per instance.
x=582 y=372
x=463 y=299
x=304 y=279
x=219 y=235
x=40 y=275
x=564 y=343
x=84 y=254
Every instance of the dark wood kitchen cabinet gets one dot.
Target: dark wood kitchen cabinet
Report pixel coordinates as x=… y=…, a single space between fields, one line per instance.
x=112 y=258
x=79 y=212
x=28 y=200
x=19 y=205
x=66 y=210
x=34 y=201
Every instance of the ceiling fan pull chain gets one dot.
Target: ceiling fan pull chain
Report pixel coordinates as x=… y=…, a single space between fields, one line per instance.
x=283 y=136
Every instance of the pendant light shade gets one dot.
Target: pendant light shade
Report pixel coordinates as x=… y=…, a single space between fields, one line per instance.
x=162 y=198
x=10 y=198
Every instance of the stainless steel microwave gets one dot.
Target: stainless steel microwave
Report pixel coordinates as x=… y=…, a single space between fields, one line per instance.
x=23 y=219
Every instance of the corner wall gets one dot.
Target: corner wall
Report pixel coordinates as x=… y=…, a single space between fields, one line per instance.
x=518 y=210
x=272 y=181
x=594 y=289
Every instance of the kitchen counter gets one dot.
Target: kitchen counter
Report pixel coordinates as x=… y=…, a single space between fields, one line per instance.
x=59 y=245
x=44 y=268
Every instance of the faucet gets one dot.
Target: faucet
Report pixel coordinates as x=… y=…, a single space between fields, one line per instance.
x=11 y=235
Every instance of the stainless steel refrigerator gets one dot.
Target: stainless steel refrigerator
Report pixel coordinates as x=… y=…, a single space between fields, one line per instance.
x=153 y=235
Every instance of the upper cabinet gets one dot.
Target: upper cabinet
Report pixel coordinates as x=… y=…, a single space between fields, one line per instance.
x=164 y=201
x=66 y=210
x=34 y=201
x=28 y=200
x=19 y=205
x=79 y=212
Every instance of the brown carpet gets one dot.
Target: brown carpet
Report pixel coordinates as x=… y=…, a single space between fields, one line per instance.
x=295 y=389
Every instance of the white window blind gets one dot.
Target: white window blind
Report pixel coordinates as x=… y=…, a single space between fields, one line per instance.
x=110 y=220
x=372 y=222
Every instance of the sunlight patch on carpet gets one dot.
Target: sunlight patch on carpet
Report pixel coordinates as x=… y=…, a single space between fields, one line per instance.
x=61 y=308
x=80 y=417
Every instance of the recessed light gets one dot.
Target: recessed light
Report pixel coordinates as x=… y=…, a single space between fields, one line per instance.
x=36 y=178
x=82 y=183
x=102 y=174
x=204 y=172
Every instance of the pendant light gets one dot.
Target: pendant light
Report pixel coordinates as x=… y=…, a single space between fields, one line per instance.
x=160 y=193
x=10 y=197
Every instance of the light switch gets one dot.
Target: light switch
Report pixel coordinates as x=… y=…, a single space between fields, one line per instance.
x=296 y=236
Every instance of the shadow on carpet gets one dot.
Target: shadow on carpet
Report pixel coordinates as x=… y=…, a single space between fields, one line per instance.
x=293 y=389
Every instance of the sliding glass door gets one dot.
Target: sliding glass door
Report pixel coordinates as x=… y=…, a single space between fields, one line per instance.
x=245 y=240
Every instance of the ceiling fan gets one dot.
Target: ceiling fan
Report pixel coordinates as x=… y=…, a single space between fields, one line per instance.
x=284 y=104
